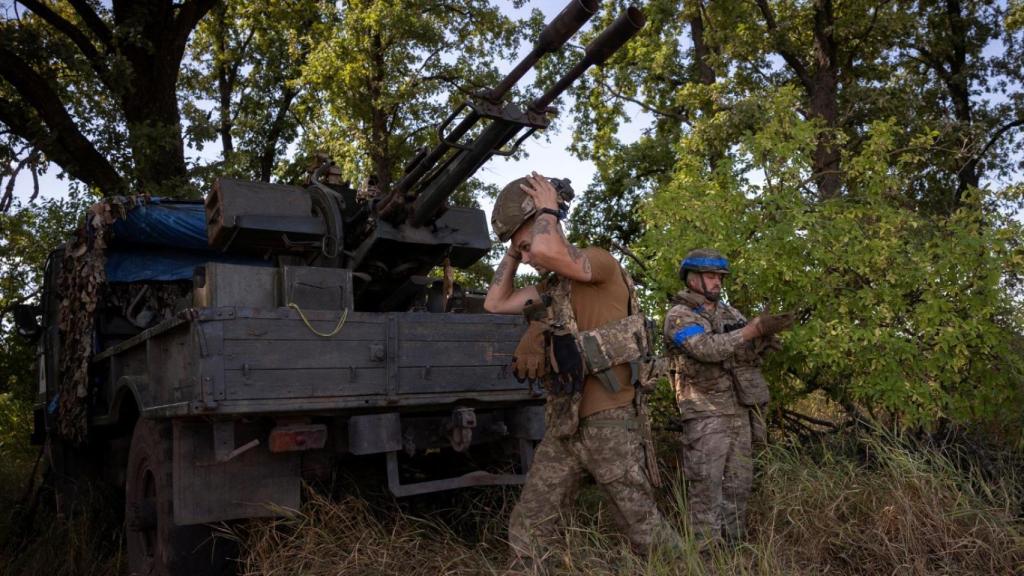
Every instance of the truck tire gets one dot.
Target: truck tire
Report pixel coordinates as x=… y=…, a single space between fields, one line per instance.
x=156 y=545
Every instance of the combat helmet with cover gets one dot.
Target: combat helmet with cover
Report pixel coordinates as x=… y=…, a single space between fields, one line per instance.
x=513 y=206
x=703 y=260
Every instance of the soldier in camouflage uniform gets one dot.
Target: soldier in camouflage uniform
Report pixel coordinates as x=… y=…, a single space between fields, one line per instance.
x=715 y=373
x=592 y=422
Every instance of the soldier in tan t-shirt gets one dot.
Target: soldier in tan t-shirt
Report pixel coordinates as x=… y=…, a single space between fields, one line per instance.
x=590 y=429
x=598 y=302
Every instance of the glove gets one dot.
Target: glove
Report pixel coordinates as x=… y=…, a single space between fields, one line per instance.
x=528 y=359
x=567 y=362
x=768 y=324
x=769 y=344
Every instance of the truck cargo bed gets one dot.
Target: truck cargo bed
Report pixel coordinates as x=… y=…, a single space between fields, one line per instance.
x=230 y=360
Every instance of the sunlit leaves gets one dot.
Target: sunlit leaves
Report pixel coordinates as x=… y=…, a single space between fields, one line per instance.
x=903 y=312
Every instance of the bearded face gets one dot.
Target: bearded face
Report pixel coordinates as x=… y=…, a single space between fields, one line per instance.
x=707 y=283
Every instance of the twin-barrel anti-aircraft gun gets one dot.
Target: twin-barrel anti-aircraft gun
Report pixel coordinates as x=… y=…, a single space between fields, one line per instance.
x=392 y=238
x=277 y=333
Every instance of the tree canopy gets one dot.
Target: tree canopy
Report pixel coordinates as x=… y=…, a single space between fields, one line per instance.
x=858 y=162
x=111 y=95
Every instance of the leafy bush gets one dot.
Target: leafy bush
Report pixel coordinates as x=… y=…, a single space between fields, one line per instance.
x=910 y=313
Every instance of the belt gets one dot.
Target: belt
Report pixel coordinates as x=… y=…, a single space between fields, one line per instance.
x=628 y=424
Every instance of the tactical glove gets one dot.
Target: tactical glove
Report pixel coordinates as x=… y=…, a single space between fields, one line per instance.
x=769 y=344
x=528 y=360
x=768 y=324
x=567 y=362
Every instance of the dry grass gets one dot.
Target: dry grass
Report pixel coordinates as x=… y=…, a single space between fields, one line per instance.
x=865 y=507
x=845 y=506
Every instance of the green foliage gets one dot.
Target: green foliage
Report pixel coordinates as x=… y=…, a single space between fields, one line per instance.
x=382 y=73
x=241 y=83
x=902 y=311
x=906 y=267
x=29 y=234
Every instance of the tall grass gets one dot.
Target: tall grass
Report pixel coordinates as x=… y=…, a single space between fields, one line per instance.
x=34 y=537
x=872 y=505
x=849 y=504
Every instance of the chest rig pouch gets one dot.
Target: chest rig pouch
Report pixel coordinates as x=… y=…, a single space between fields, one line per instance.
x=623 y=341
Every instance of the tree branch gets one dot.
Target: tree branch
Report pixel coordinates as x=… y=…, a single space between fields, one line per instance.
x=929 y=60
x=631 y=255
x=804 y=417
x=788 y=55
x=644 y=105
x=189 y=15
x=268 y=154
x=997 y=135
x=60 y=139
x=63 y=26
x=94 y=22
x=8 y=198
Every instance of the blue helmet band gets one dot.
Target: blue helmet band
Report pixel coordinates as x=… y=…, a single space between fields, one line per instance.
x=705 y=263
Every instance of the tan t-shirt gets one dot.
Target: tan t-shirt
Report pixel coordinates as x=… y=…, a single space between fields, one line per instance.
x=604 y=299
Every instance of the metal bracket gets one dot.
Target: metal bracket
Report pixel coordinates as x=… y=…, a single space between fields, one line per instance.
x=460 y=428
x=477 y=478
x=224 y=442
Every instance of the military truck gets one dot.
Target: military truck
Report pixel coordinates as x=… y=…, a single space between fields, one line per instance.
x=210 y=356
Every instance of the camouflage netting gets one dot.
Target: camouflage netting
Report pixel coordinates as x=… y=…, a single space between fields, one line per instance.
x=83 y=272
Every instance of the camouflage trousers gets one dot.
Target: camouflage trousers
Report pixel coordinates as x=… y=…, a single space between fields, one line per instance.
x=718 y=466
x=608 y=447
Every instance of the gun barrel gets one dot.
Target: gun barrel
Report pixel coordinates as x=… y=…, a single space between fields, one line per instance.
x=429 y=201
x=494 y=136
x=554 y=36
x=624 y=27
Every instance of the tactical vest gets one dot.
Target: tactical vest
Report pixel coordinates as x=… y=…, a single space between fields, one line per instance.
x=707 y=389
x=701 y=388
x=622 y=341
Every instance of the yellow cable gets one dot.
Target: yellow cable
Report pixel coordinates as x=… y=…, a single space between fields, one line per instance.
x=341 y=321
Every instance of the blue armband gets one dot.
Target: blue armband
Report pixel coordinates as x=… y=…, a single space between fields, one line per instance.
x=684 y=334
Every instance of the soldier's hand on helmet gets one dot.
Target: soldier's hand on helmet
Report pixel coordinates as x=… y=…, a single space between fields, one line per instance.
x=515 y=253
x=767 y=324
x=542 y=191
x=528 y=362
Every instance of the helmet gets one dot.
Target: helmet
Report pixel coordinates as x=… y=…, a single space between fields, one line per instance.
x=512 y=207
x=703 y=260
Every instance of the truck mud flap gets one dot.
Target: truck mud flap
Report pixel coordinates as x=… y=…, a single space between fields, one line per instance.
x=213 y=482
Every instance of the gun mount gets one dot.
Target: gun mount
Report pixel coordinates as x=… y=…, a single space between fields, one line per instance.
x=392 y=239
x=208 y=358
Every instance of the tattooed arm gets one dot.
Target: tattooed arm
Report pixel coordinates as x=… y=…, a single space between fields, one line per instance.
x=502 y=297
x=549 y=248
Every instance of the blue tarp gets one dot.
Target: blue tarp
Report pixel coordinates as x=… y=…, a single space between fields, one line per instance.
x=163 y=241
x=174 y=224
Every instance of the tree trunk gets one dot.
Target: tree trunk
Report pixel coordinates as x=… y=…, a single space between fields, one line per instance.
x=150 y=100
x=704 y=73
x=225 y=84
x=269 y=154
x=958 y=84
x=824 y=101
x=379 y=145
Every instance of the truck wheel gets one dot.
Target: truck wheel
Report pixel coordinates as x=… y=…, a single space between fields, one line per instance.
x=156 y=545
